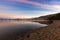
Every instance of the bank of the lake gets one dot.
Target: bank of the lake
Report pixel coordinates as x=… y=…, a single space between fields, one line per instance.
x=51 y=32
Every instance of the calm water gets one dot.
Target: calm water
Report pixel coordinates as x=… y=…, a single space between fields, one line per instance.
x=15 y=27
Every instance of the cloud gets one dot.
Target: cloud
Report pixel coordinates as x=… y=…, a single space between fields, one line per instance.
x=55 y=7
x=40 y=5
x=27 y=2
x=55 y=3
x=42 y=13
x=6 y=7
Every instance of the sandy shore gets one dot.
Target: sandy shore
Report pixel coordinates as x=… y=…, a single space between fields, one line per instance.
x=51 y=32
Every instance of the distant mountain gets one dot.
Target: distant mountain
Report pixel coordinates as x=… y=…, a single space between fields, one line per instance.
x=50 y=17
x=54 y=17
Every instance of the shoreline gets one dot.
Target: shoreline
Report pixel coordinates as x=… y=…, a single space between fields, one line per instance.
x=51 y=32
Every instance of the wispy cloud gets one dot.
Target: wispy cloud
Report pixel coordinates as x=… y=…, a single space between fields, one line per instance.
x=14 y=8
x=37 y=4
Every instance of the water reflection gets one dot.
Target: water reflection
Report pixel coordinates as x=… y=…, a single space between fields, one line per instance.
x=13 y=27
x=19 y=25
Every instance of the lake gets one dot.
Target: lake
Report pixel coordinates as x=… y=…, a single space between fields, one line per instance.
x=10 y=29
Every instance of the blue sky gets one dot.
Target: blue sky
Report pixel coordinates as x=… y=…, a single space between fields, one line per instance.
x=28 y=8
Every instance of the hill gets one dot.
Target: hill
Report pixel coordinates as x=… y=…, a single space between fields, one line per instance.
x=51 y=17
